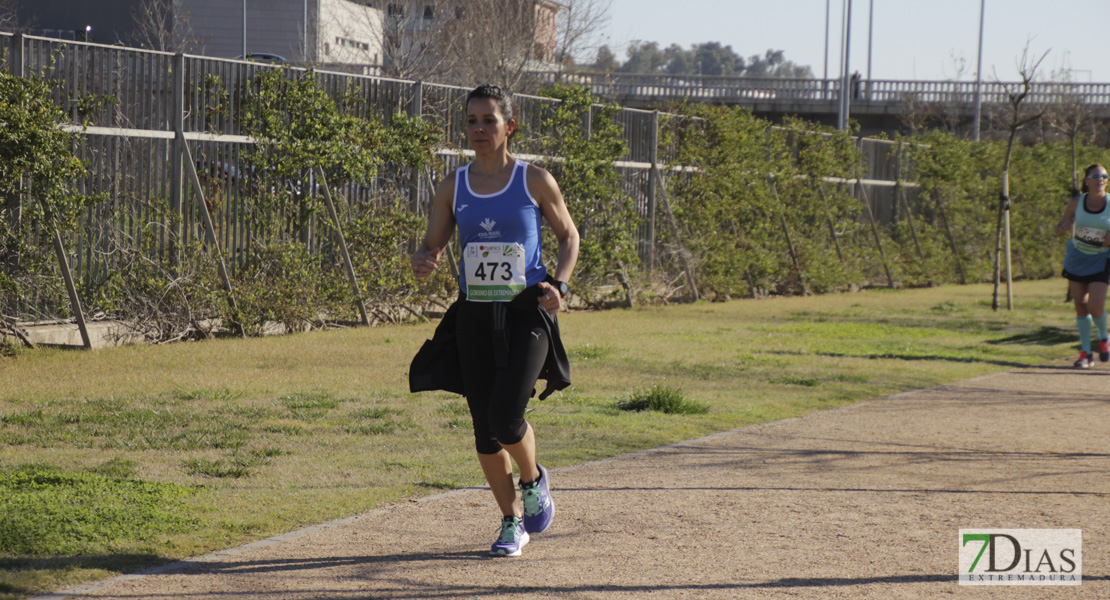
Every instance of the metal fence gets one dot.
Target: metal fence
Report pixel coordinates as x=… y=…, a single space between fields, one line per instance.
x=135 y=143
x=747 y=90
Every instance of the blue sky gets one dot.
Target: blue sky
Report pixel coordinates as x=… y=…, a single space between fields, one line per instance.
x=911 y=39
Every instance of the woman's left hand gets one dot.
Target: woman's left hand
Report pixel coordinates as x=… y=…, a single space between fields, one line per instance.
x=550 y=300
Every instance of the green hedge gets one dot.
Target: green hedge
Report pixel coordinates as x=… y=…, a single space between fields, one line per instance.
x=756 y=210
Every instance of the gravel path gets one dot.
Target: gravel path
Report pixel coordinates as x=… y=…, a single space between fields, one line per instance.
x=861 y=502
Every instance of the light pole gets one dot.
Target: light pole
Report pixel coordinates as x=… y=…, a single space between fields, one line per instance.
x=870 y=37
x=88 y=30
x=244 y=29
x=826 y=75
x=845 y=85
x=979 y=72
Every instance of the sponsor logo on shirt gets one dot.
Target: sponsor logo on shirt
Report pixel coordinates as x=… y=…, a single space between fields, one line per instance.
x=488 y=224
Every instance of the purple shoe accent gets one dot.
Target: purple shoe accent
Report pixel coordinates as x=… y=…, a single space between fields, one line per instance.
x=539 y=508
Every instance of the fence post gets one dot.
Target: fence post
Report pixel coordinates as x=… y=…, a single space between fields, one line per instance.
x=417 y=177
x=653 y=181
x=17 y=63
x=177 y=152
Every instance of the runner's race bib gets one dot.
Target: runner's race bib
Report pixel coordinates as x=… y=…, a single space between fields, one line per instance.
x=494 y=272
x=1090 y=235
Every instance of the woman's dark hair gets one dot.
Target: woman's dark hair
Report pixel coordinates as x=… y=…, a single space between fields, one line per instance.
x=503 y=99
x=1087 y=173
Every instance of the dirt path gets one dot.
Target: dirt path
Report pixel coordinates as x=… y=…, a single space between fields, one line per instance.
x=863 y=502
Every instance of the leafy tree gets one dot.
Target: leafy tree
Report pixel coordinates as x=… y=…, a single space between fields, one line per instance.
x=774 y=64
x=714 y=59
x=679 y=61
x=724 y=208
x=299 y=129
x=710 y=58
x=606 y=61
x=643 y=57
x=605 y=215
x=38 y=171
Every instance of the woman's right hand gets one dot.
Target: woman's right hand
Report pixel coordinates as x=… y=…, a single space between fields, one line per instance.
x=424 y=261
x=1063 y=227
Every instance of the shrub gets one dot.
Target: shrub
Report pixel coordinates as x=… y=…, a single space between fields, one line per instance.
x=666 y=400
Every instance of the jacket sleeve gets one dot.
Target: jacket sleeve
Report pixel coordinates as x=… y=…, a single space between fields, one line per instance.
x=436 y=365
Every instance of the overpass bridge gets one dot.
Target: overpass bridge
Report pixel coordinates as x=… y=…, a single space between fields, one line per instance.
x=879 y=105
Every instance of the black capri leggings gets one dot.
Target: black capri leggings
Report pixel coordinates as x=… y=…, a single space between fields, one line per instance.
x=498 y=397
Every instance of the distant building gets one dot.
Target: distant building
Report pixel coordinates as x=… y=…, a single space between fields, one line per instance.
x=408 y=24
x=298 y=30
x=546 y=27
x=353 y=35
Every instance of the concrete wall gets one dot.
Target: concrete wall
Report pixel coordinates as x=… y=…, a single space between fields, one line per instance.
x=273 y=26
x=112 y=21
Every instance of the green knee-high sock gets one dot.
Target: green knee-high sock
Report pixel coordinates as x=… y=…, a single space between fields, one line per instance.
x=1084 y=325
x=1100 y=322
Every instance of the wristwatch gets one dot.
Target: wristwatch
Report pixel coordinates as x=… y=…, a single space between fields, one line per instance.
x=563 y=288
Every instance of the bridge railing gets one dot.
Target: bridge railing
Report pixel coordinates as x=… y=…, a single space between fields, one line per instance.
x=767 y=89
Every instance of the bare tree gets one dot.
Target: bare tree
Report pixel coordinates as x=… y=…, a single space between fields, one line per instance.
x=1072 y=115
x=474 y=41
x=580 y=30
x=498 y=42
x=9 y=17
x=913 y=113
x=164 y=25
x=407 y=39
x=1019 y=115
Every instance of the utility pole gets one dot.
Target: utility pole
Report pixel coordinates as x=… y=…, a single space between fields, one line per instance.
x=979 y=72
x=244 y=29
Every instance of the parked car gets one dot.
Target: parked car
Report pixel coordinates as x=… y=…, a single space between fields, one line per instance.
x=262 y=57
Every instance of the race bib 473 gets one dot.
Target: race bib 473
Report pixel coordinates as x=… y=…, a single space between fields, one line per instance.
x=494 y=272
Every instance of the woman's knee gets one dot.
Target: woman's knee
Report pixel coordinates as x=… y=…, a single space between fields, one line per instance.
x=486 y=444
x=509 y=430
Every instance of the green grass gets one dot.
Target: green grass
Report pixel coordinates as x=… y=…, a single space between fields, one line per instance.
x=664 y=399
x=45 y=510
x=229 y=441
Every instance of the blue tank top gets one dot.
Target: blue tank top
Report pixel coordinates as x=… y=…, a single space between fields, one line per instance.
x=508 y=216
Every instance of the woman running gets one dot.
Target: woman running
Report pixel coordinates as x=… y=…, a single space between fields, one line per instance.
x=504 y=327
x=1085 y=263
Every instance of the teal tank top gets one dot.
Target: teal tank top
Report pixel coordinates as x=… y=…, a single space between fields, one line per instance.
x=1091 y=227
